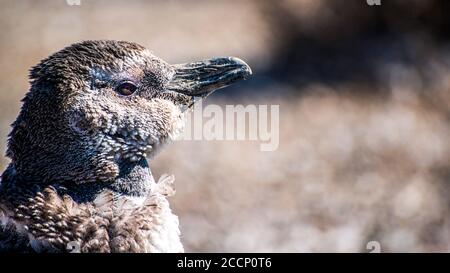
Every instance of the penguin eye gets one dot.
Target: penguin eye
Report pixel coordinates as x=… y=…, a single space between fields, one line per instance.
x=126 y=88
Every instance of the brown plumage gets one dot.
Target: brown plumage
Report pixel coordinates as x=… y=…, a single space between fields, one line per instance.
x=78 y=178
x=108 y=224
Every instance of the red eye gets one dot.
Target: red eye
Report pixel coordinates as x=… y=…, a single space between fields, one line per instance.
x=126 y=88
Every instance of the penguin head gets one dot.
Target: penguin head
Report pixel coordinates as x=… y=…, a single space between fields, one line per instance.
x=95 y=104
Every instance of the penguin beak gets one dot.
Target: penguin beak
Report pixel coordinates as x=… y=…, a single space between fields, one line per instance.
x=200 y=79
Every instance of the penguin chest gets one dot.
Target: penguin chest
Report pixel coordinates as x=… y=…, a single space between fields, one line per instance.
x=149 y=227
x=51 y=223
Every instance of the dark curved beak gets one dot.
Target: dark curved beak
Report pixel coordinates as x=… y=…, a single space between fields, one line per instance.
x=201 y=78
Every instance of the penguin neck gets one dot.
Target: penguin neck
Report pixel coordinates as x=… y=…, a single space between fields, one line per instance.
x=135 y=180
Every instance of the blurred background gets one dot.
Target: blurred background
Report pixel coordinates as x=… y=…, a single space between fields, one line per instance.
x=364 y=95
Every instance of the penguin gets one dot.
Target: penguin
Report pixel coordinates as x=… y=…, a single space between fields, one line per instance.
x=79 y=179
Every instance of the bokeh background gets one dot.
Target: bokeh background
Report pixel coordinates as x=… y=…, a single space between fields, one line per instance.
x=364 y=95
